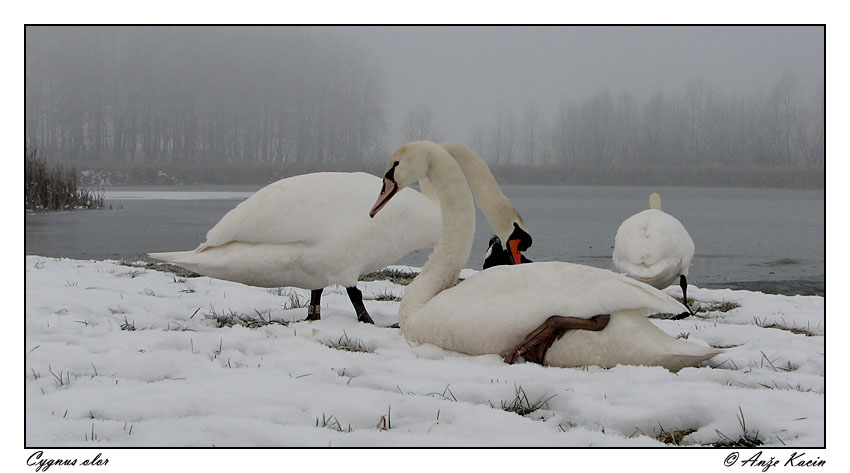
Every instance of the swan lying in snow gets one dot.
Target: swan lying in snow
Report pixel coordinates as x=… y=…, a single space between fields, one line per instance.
x=653 y=247
x=553 y=313
x=310 y=231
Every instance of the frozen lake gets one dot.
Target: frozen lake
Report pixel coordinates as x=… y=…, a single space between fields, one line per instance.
x=770 y=240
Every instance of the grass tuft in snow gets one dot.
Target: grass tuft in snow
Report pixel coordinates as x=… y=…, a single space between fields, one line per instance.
x=386 y=295
x=93 y=434
x=345 y=343
x=747 y=438
x=63 y=378
x=700 y=307
x=163 y=267
x=724 y=306
x=128 y=326
x=231 y=318
x=278 y=291
x=294 y=301
x=712 y=306
x=386 y=422
x=392 y=275
x=331 y=422
x=521 y=405
x=793 y=328
x=443 y=395
x=672 y=437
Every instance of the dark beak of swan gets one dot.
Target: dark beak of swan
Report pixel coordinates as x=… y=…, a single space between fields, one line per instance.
x=387 y=192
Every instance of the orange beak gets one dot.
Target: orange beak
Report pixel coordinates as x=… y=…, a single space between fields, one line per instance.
x=387 y=192
x=513 y=247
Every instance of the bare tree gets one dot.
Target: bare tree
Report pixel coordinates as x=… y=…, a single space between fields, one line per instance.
x=418 y=124
x=503 y=136
x=532 y=135
x=187 y=94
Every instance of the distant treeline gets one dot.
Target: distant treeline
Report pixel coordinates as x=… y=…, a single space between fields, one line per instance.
x=771 y=135
x=103 y=175
x=248 y=95
x=161 y=174
x=704 y=176
x=170 y=105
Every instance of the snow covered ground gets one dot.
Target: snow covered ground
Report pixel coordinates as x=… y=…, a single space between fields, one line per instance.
x=119 y=356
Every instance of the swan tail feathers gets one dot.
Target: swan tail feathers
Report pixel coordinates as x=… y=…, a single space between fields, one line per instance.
x=175 y=257
x=690 y=355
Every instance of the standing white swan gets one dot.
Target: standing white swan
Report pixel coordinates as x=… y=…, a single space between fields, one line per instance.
x=653 y=247
x=309 y=231
x=524 y=310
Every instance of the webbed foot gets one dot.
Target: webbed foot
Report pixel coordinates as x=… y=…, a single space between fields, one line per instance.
x=313 y=313
x=365 y=318
x=313 y=310
x=534 y=346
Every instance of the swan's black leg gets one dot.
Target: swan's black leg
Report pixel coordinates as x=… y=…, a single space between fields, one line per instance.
x=683 y=283
x=313 y=312
x=535 y=345
x=357 y=301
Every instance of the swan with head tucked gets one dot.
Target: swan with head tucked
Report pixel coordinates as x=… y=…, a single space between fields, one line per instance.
x=653 y=247
x=527 y=310
x=309 y=231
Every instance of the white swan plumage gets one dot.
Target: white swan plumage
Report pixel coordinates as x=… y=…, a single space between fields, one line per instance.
x=310 y=231
x=494 y=310
x=653 y=247
x=512 y=235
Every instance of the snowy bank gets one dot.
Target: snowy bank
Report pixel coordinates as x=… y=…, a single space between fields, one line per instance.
x=123 y=356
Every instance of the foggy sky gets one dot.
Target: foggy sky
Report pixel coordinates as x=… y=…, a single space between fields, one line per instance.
x=464 y=73
x=674 y=103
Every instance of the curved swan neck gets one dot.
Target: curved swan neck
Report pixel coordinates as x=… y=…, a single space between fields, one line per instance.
x=497 y=209
x=452 y=252
x=427 y=189
x=655 y=201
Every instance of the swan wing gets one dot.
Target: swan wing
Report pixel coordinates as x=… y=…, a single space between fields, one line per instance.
x=311 y=208
x=496 y=308
x=311 y=231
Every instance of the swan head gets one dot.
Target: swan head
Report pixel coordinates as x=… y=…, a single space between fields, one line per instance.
x=407 y=165
x=497 y=254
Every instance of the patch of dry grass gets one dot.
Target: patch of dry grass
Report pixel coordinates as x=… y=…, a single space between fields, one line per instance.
x=388 y=274
x=54 y=188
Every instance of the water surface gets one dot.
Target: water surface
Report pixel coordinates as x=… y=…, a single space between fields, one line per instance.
x=770 y=240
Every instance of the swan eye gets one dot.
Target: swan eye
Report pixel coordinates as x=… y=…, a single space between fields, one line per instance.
x=391 y=172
